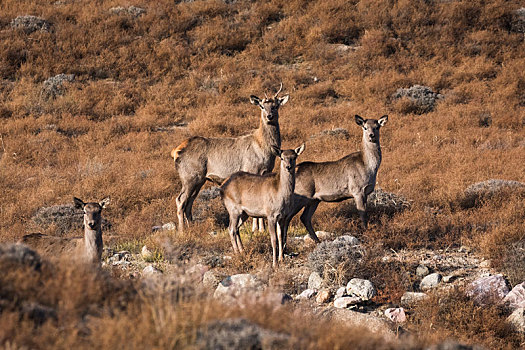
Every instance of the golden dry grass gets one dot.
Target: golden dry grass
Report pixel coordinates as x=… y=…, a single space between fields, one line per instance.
x=197 y=63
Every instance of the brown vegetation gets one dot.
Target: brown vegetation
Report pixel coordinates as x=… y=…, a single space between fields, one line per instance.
x=145 y=83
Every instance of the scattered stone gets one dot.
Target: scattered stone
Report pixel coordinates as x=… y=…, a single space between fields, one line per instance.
x=361 y=288
x=211 y=280
x=422 y=97
x=345 y=302
x=410 y=298
x=358 y=319
x=166 y=227
x=122 y=259
x=30 y=24
x=239 y=334
x=488 y=289
x=306 y=294
x=323 y=296
x=396 y=315
x=233 y=287
x=516 y=297
x=315 y=281
x=146 y=253
x=486 y=189
x=132 y=10
x=347 y=239
x=14 y=255
x=54 y=86
x=485 y=264
x=210 y=193
x=517 y=319
x=151 y=270
x=430 y=281
x=422 y=270
x=341 y=292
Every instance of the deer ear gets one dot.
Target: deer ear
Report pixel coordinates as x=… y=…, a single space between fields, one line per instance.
x=255 y=100
x=276 y=151
x=300 y=149
x=104 y=203
x=283 y=100
x=79 y=204
x=382 y=121
x=360 y=121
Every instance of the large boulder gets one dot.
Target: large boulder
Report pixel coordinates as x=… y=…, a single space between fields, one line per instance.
x=516 y=297
x=488 y=289
x=517 y=320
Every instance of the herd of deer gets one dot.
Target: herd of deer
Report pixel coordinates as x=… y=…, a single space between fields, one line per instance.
x=243 y=165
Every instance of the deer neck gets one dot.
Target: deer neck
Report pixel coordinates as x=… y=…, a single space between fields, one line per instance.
x=371 y=154
x=93 y=243
x=286 y=183
x=268 y=135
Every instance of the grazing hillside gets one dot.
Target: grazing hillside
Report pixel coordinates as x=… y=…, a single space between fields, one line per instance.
x=94 y=96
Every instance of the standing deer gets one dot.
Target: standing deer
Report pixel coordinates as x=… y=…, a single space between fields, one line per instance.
x=87 y=248
x=351 y=176
x=262 y=196
x=198 y=159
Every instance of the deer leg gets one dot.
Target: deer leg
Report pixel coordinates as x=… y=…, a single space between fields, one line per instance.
x=191 y=199
x=258 y=225
x=242 y=218
x=360 y=203
x=306 y=219
x=234 y=231
x=280 y=230
x=181 y=202
x=261 y=224
x=273 y=238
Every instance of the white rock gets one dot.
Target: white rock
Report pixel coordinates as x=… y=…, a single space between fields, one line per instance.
x=306 y=294
x=396 y=315
x=323 y=296
x=517 y=320
x=361 y=288
x=210 y=280
x=488 y=289
x=341 y=291
x=516 y=297
x=430 y=281
x=422 y=270
x=151 y=270
x=410 y=298
x=146 y=253
x=233 y=287
x=345 y=302
x=347 y=239
x=315 y=281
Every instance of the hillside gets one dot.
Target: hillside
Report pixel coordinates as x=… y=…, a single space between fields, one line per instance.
x=94 y=96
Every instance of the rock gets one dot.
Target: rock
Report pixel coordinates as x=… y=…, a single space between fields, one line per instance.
x=449 y=278
x=488 y=289
x=211 y=280
x=516 y=297
x=238 y=334
x=422 y=270
x=357 y=319
x=422 y=98
x=151 y=270
x=347 y=239
x=166 y=227
x=361 y=288
x=345 y=302
x=410 y=298
x=331 y=254
x=396 y=315
x=132 y=10
x=517 y=320
x=323 y=296
x=122 y=259
x=146 y=253
x=210 y=193
x=341 y=292
x=234 y=287
x=430 y=281
x=30 y=24
x=486 y=189
x=485 y=264
x=53 y=87
x=15 y=255
x=322 y=235
x=306 y=294
x=315 y=281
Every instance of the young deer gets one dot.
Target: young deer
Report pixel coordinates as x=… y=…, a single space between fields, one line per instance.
x=351 y=176
x=88 y=248
x=262 y=196
x=198 y=159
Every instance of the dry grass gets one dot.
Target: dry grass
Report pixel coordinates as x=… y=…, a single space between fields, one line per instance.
x=138 y=79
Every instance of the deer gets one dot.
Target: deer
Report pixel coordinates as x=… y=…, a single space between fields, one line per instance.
x=200 y=159
x=353 y=176
x=262 y=196
x=87 y=248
